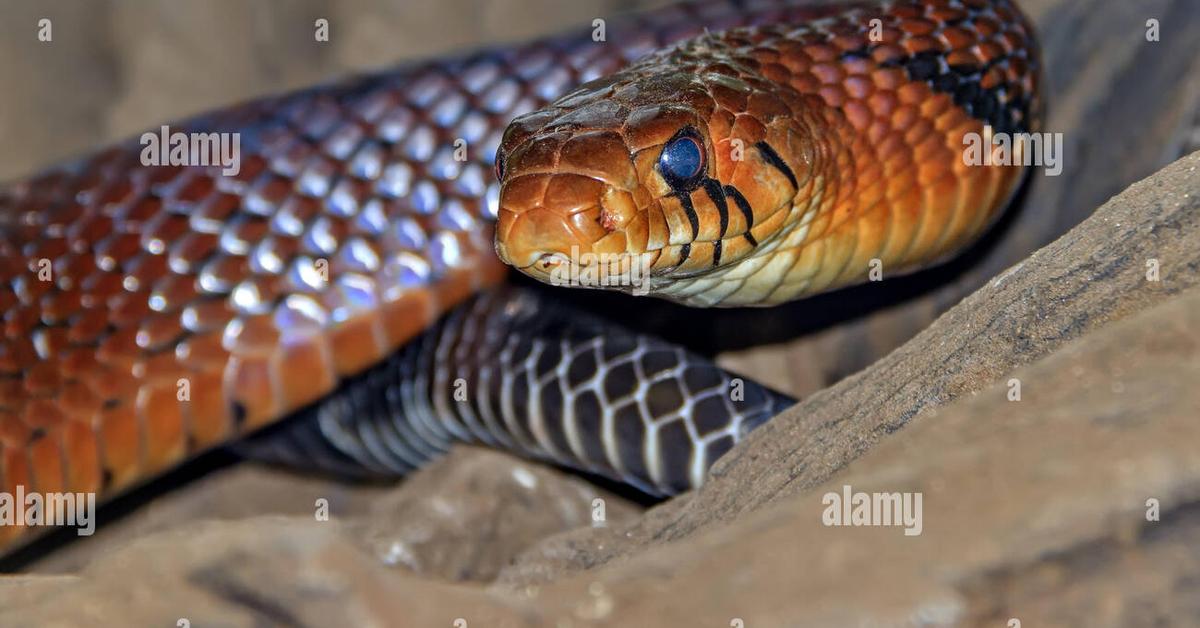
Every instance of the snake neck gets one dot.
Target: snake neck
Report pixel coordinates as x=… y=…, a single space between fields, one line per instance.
x=867 y=119
x=828 y=149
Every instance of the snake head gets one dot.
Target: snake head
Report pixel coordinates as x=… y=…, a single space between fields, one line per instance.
x=666 y=178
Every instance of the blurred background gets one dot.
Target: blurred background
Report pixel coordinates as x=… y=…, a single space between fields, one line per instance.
x=114 y=68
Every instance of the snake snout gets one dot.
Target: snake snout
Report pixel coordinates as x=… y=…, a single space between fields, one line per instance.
x=536 y=240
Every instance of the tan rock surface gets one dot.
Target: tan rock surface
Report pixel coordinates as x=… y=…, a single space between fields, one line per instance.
x=239 y=492
x=466 y=516
x=264 y=571
x=460 y=518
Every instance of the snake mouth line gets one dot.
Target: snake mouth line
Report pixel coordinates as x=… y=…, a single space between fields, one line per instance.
x=546 y=263
x=617 y=271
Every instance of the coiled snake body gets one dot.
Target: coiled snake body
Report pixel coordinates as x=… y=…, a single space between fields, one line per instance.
x=152 y=312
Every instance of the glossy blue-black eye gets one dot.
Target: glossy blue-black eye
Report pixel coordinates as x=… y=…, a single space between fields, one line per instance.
x=682 y=161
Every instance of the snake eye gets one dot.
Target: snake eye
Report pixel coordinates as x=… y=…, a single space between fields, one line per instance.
x=682 y=160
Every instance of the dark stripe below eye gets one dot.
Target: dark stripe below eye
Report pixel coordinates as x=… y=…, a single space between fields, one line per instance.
x=685 y=252
x=717 y=253
x=774 y=159
x=685 y=199
x=747 y=211
x=713 y=188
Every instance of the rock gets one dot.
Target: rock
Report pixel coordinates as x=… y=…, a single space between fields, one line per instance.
x=461 y=518
x=231 y=493
x=1094 y=274
x=1037 y=509
x=264 y=571
x=466 y=516
x=1033 y=509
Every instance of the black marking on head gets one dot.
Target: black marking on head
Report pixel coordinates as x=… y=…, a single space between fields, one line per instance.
x=774 y=159
x=747 y=211
x=713 y=188
x=685 y=200
x=239 y=416
x=717 y=253
x=685 y=252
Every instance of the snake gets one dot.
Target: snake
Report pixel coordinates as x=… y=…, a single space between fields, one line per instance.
x=351 y=275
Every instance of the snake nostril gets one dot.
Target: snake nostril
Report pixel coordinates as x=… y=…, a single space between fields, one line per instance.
x=530 y=235
x=608 y=220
